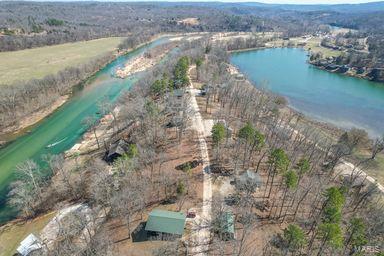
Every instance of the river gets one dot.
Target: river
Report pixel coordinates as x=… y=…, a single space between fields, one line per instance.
x=333 y=98
x=64 y=127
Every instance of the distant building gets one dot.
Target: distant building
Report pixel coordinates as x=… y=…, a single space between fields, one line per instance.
x=165 y=225
x=30 y=244
x=239 y=77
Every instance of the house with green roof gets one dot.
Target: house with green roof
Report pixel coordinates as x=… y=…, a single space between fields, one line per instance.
x=165 y=225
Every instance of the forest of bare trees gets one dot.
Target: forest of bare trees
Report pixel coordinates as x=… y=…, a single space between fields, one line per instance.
x=316 y=210
x=324 y=212
x=33 y=24
x=126 y=187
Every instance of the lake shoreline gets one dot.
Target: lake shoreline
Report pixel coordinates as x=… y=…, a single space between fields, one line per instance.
x=350 y=73
x=332 y=133
x=332 y=130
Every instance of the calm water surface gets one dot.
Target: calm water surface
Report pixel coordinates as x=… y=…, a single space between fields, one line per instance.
x=64 y=125
x=340 y=100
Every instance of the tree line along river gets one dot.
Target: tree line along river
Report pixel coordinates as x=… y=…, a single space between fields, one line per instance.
x=340 y=100
x=64 y=127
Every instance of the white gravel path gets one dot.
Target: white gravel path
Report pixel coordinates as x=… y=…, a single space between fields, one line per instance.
x=201 y=227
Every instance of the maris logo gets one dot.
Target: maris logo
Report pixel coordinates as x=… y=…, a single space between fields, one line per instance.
x=368 y=249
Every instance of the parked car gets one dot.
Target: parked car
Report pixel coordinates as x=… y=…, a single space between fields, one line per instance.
x=191 y=214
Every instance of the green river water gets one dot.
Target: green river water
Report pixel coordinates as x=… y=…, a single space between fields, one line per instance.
x=63 y=125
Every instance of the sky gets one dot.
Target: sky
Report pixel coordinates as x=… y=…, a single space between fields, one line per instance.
x=234 y=1
x=260 y=1
x=314 y=1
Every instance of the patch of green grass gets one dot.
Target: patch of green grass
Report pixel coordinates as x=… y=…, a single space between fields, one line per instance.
x=12 y=234
x=314 y=45
x=39 y=62
x=375 y=168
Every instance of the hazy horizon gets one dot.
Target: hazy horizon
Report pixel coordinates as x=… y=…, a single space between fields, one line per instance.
x=296 y=2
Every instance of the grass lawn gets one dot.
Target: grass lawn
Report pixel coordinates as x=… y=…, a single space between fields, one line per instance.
x=314 y=45
x=42 y=61
x=375 y=168
x=378 y=172
x=12 y=235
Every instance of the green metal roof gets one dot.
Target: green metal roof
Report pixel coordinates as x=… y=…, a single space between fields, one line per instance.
x=229 y=222
x=166 y=222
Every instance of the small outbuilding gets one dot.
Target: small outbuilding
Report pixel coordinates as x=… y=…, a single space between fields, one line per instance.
x=239 y=77
x=249 y=180
x=178 y=93
x=30 y=244
x=165 y=225
x=224 y=226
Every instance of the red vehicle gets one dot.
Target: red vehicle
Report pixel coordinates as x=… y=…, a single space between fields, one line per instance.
x=191 y=214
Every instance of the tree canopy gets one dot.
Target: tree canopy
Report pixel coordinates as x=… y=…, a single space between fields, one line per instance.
x=294 y=237
x=218 y=133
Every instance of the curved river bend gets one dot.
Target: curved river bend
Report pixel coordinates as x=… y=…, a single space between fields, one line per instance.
x=337 y=99
x=64 y=127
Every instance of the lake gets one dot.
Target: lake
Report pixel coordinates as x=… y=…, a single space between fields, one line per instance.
x=64 y=127
x=343 y=101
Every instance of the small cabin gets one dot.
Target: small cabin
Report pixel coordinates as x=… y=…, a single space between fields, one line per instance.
x=165 y=225
x=116 y=150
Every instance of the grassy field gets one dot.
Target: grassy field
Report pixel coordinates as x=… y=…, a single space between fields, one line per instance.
x=375 y=168
x=39 y=62
x=11 y=236
x=312 y=44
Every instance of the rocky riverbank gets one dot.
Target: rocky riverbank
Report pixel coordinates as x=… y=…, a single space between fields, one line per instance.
x=372 y=74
